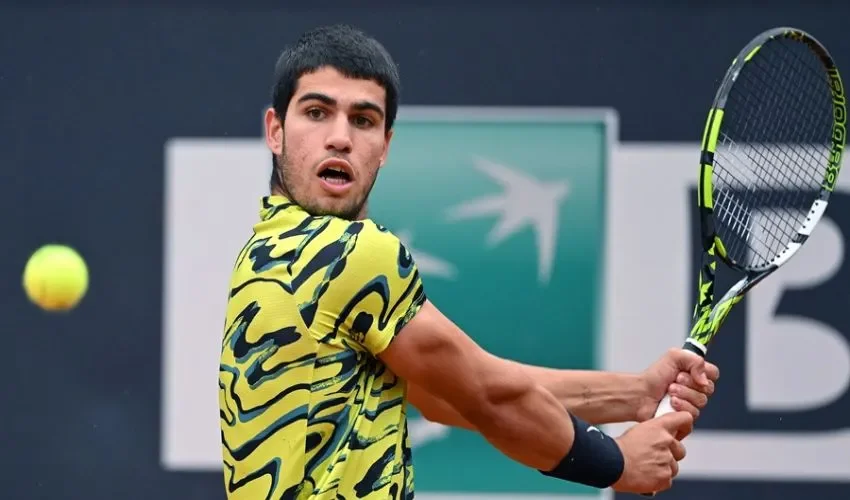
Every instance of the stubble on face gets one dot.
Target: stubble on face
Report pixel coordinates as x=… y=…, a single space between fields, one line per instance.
x=333 y=125
x=352 y=207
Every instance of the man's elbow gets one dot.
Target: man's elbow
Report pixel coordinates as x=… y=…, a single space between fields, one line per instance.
x=497 y=400
x=436 y=410
x=443 y=416
x=431 y=408
x=475 y=407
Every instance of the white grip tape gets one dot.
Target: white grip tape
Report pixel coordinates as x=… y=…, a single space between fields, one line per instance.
x=664 y=407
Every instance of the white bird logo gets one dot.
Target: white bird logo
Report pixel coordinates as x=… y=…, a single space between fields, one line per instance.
x=525 y=200
x=424 y=431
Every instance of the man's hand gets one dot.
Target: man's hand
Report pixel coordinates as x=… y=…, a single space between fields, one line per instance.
x=652 y=453
x=687 y=377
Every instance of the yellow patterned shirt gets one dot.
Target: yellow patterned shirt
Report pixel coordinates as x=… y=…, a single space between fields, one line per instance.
x=306 y=408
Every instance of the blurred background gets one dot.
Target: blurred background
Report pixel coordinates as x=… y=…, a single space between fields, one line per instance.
x=131 y=132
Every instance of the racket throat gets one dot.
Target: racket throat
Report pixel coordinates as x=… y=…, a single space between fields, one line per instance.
x=711 y=319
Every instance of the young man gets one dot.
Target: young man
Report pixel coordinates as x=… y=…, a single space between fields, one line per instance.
x=329 y=334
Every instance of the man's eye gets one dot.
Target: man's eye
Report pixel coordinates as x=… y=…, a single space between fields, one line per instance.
x=362 y=121
x=315 y=113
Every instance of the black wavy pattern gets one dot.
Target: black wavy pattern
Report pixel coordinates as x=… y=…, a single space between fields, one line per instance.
x=334 y=413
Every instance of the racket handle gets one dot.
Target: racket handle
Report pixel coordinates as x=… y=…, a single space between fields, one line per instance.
x=665 y=406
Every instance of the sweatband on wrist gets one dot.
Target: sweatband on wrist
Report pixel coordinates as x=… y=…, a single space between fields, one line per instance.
x=594 y=460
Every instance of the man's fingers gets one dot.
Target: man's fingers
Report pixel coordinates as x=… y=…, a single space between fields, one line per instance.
x=677 y=423
x=690 y=395
x=712 y=371
x=685 y=359
x=688 y=381
x=698 y=372
x=674 y=468
x=678 y=450
x=682 y=405
x=694 y=364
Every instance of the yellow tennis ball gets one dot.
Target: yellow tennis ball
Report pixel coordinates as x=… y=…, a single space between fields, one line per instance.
x=56 y=278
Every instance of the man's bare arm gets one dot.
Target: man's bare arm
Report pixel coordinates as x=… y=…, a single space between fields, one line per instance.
x=598 y=397
x=595 y=396
x=513 y=412
x=435 y=409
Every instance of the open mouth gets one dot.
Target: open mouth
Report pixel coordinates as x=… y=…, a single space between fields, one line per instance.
x=335 y=175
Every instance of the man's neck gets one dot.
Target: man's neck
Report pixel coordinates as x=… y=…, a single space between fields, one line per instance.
x=279 y=191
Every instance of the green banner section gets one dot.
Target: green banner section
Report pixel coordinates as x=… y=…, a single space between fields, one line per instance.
x=503 y=210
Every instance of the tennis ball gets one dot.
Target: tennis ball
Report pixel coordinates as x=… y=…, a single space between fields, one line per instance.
x=56 y=278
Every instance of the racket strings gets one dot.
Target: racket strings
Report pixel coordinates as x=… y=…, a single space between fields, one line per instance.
x=814 y=77
x=737 y=214
x=778 y=225
x=789 y=132
x=772 y=152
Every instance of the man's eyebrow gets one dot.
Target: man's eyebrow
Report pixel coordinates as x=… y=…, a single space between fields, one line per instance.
x=368 y=106
x=317 y=96
x=330 y=101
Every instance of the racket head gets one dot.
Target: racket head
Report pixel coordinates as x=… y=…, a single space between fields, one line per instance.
x=771 y=150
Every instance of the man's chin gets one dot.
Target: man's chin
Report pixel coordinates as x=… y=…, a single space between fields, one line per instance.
x=345 y=211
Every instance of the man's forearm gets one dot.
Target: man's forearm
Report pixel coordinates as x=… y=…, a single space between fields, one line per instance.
x=595 y=396
x=598 y=397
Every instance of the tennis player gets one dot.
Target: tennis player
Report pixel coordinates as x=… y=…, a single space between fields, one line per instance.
x=329 y=333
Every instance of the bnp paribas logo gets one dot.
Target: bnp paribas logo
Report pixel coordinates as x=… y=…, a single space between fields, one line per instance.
x=503 y=211
x=523 y=201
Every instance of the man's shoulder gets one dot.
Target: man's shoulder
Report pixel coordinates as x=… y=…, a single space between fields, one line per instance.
x=379 y=237
x=316 y=242
x=284 y=220
x=368 y=251
x=364 y=236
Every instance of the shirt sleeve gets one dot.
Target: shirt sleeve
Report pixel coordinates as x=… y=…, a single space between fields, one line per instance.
x=371 y=289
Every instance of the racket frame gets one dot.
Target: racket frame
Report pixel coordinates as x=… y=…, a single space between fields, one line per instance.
x=709 y=316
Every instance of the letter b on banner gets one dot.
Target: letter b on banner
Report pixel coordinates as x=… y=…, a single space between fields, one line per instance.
x=784 y=351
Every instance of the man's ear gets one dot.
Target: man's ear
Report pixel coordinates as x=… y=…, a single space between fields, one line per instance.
x=274 y=131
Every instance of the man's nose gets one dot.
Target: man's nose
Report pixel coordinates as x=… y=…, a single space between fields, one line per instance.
x=339 y=138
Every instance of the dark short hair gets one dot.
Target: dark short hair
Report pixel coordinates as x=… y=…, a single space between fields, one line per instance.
x=344 y=48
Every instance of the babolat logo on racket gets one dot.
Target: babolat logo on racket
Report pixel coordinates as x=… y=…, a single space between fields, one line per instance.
x=839 y=130
x=796 y=35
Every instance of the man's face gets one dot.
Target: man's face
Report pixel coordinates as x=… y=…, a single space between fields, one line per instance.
x=331 y=143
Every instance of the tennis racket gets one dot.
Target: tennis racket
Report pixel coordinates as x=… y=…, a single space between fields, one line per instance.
x=770 y=157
